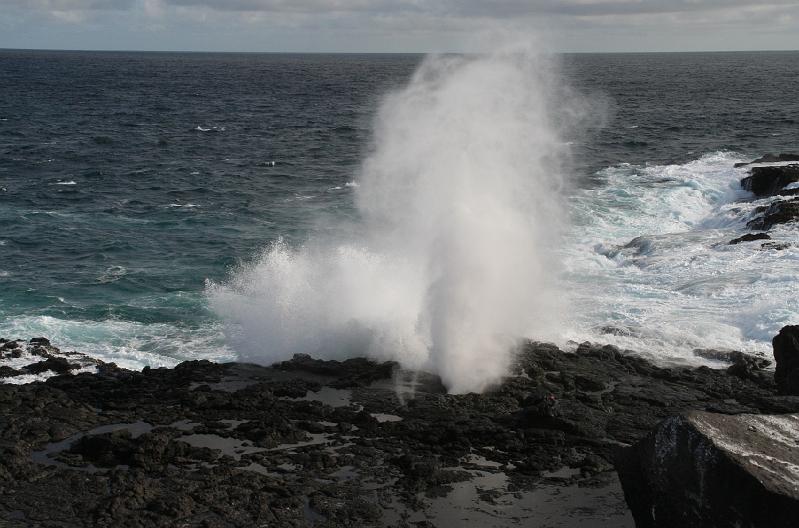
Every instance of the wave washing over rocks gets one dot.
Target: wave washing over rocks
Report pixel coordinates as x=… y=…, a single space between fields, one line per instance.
x=665 y=259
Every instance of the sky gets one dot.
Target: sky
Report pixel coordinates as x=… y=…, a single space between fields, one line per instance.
x=397 y=26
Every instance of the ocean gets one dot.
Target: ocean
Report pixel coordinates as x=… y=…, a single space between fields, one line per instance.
x=152 y=203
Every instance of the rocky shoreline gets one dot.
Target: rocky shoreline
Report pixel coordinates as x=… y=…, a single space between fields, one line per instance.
x=353 y=443
x=357 y=443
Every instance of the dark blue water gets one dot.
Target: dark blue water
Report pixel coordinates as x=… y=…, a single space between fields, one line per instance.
x=128 y=179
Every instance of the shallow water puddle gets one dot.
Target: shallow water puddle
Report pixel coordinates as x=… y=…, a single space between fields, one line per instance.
x=44 y=456
x=232 y=447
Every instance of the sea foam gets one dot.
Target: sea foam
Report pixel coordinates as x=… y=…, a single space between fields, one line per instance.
x=451 y=261
x=650 y=265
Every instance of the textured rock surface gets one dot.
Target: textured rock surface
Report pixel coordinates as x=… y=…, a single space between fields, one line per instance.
x=354 y=443
x=706 y=469
x=770 y=180
x=777 y=212
x=786 y=354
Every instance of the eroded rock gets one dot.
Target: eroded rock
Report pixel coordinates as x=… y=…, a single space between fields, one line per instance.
x=786 y=354
x=770 y=180
x=705 y=469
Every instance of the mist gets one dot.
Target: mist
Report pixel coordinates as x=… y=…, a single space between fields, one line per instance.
x=452 y=261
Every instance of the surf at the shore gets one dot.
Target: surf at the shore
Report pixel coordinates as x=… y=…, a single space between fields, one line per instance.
x=113 y=230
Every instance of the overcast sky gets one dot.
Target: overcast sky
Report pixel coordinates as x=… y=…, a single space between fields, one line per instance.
x=396 y=26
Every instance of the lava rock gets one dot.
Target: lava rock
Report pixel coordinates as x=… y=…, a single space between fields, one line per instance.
x=749 y=237
x=768 y=181
x=778 y=212
x=786 y=354
x=703 y=469
x=8 y=372
x=58 y=365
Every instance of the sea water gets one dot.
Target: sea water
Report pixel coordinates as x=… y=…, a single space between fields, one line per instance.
x=134 y=185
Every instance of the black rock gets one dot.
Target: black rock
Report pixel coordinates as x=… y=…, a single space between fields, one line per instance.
x=8 y=372
x=306 y=442
x=768 y=181
x=745 y=366
x=779 y=212
x=749 y=237
x=704 y=469
x=58 y=365
x=776 y=246
x=786 y=354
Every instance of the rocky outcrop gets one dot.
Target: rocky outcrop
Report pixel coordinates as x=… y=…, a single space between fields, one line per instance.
x=354 y=443
x=786 y=354
x=707 y=469
x=749 y=237
x=770 y=180
x=778 y=212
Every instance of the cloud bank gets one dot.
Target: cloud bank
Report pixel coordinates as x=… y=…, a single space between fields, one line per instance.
x=397 y=25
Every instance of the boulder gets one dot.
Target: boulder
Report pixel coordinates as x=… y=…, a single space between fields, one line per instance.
x=786 y=354
x=749 y=237
x=58 y=365
x=770 y=180
x=704 y=469
x=779 y=212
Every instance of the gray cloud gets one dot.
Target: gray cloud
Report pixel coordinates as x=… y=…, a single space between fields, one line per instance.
x=454 y=8
x=493 y=9
x=397 y=25
x=66 y=5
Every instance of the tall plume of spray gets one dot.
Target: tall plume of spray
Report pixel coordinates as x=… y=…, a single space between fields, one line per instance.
x=451 y=263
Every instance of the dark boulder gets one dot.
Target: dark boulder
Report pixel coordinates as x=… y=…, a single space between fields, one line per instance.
x=56 y=364
x=703 y=469
x=770 y=158
x=776 y=246
x=779 y=212
x=745 y=366
x=749 y=237
x=767 y=181
x=8 y=372
x=786 y=354
x=41 y=341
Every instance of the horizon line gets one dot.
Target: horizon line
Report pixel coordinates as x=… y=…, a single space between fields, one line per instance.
x=651 y=52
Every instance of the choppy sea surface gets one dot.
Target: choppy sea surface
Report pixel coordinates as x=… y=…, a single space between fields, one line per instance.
x=130 y=180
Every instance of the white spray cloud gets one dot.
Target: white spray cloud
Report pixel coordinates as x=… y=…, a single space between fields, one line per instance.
x=451 y=263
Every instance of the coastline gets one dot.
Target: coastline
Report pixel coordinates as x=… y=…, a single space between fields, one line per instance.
x=325 y=443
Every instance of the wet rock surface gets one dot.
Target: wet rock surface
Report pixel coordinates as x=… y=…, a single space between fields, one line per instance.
x=706 y=469
x=749 y=237
x=777 y=212
x=770 y=180
x=786 y=354
x=775 y=184
x=354 y=443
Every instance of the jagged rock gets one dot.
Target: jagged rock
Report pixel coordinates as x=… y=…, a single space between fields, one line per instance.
x=704 y=469
x=776 y=246
x=749 y=237
x=770 y=158
x=7 y=372
x=58 y=365
x=767 y=181
x=778 y=212
x=786 y=354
